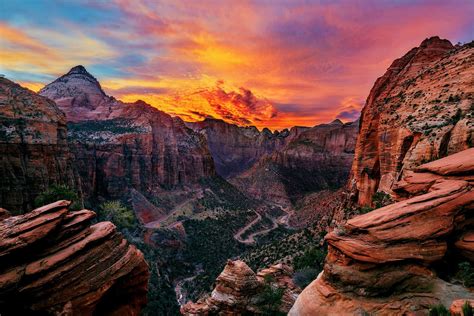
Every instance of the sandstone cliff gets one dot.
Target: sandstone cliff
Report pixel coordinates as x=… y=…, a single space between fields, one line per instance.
x=119 y=146
x=33 y=147
x=397 y=260
x=235 y=149
x=421 y=109
x=53 y=261
x=316 y=159
x=239 y=291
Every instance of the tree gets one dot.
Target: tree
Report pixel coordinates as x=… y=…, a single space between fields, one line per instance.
x=56 y=193
x=115 y=212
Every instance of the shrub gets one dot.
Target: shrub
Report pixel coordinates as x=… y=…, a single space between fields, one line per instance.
x=311 y=258
x=365 y=209
x=381 y=199
x=467 y=309
x=271 y=297
x=56 y=193
x=115 y=212
x=466 y=274
x=305 y=276
x=438 y=310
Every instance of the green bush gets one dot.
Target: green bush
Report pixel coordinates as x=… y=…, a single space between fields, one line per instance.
x=466 y=274
x=56 y=193
x=115 y=212
x=271 y=297
x=467 y=309
x=305 y=276
x=311 y=258
x=381 y=199
x=438 y=310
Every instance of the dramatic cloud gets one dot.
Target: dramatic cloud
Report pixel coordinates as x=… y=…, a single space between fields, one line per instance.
x=306 y=61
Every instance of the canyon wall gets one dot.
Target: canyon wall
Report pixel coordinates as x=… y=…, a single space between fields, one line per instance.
x=421 y=109
x=118 y=146
x=316 y=159
x=33 y=147
x=235 y=149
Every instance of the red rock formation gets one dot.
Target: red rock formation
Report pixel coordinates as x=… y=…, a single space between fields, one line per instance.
x=318 y=158
x=385 y=262
x=236 y=149
x=238 y=291
x=118 y=146
x=33 y=147
x=52 y=261
x=419 y=110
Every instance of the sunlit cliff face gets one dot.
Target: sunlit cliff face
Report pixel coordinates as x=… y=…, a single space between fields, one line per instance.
x=264 y=63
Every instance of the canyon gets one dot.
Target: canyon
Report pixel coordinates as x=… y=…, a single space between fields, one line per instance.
x=212 y=202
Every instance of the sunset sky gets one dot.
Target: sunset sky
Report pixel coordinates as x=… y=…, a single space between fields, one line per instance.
x=265 y=63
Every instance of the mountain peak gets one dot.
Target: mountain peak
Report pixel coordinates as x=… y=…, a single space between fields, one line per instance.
x=436 y=42
x=79 y=69
x=336 y=122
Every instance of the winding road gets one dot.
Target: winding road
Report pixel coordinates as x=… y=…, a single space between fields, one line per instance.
x=251 y=238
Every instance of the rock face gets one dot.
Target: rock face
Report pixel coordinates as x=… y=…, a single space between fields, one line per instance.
x=239 y=290
x=119 y=146
x=386 y=262
x=236 y=149
x=54 y=262
x=316 y=159
x=33 y=147
x=421 y=109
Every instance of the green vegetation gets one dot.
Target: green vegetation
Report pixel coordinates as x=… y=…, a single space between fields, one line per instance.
x=467 y=309
x=312 y=258
x=466 y=274
x=309 y=265
x=210 y=242
x=93 y=131
x=438 y=310
x=56 y=193
x=224 y=195
x=271 y=297
x=381 y=199
x=115 y=212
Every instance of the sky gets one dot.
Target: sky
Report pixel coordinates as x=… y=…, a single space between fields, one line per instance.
x=269 y=63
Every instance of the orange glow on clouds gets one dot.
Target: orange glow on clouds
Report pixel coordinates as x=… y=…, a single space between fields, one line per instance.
x=268 y=64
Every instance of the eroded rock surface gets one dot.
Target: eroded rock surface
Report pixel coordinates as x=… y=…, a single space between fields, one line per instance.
x=33 y=147
x=316 y=159
x=421 y=109
x=121 y=146
x=239 y=290
x=385 y=262
x=235 y=149
x=53 y=261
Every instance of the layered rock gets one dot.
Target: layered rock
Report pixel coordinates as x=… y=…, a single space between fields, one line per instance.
x=421 y=109
x=235 y=149
x=316 y=159
x=33 y=147
x=386 y=262
x=119 y=146
x=53 y=261
x=239 y=291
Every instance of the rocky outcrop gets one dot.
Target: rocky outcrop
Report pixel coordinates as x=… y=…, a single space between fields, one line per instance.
x=239 y=291
x=33 y=147
x=318 y=158
x=119 y=146
x=421 y=109
x=53 y=261
x=386 y=262
x=235 y=149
